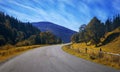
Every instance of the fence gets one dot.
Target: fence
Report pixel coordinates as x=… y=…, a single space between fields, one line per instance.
x=99 y=54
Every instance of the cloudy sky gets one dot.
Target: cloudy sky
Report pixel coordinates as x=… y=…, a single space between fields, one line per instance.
x=67 y=13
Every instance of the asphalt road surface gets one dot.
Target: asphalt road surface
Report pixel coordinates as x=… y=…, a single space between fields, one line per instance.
x=51 y=59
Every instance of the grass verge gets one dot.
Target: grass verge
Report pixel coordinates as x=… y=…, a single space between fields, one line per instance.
x=8 y=51
x=107 y=60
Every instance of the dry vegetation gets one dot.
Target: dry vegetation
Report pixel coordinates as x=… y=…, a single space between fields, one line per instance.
x=93 y=54
x=9 y=51
x=98 y=42
x=107 y=56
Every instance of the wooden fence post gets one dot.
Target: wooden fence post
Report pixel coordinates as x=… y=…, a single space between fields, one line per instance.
x=86 y=50
x=79 y=50
x=100 y=53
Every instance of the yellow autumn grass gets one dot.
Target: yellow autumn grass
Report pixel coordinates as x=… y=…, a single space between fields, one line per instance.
x=93 y=53
x=78 y=49
x=9 y=51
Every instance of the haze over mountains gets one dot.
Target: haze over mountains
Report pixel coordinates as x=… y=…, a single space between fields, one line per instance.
x=60 y=31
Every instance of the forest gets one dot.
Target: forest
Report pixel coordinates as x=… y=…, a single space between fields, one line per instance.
x=15 y=32
x=94 y=32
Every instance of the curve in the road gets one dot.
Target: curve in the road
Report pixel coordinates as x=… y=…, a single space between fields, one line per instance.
x=51 y=59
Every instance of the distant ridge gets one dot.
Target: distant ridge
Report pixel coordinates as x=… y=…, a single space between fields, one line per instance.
x=60 y=31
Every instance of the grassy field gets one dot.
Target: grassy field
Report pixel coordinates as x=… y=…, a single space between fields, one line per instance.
x=9 y=51
x=93 y=54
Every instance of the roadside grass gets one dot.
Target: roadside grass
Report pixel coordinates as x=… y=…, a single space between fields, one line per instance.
x=93 y=55
x=113 y=46
x=9 y=51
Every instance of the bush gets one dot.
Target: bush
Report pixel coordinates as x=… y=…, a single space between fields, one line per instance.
x=7 y=46
x=93 y=56
x=23 y=43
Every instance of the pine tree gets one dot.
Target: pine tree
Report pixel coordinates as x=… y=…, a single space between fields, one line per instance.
x=108 y=25
x=116 y=22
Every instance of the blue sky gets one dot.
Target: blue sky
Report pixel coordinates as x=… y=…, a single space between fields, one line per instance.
x=67 y=13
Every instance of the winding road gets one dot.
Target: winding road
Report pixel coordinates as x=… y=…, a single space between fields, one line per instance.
x=51 y=59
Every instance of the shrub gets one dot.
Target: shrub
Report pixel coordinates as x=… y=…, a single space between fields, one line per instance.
x=93 y=56
x=8 y=46
x=23 y=43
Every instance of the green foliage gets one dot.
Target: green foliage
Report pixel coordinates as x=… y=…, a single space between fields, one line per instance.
x=75 y=38
x=95 y=30
x=48 y=38
x=13 y=31
x=116 y=22
x=91 y=32
x=108 y=25
x=42 y=38
x=82 y=33
x=2 y=40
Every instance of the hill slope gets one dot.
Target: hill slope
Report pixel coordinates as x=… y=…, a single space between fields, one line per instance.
x=61 y=32
x=13 y=30
x=112 y=40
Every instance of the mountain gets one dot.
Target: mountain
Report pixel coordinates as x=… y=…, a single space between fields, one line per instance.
x=15 y=32
x=60 y=31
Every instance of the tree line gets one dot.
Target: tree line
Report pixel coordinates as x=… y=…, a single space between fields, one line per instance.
x=95 y=30
x=15 y=32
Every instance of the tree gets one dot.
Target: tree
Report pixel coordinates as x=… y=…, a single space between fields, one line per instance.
x=108 y=24
x=58 y=40
x=14 y=30
x=43 y=38
x=2 y=40
x=116 y=22
x=82 y=33
x=75 y=38
x=95 y=29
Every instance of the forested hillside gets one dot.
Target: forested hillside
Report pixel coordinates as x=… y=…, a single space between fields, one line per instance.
x=15 y=32
x=60 y=31
x=94 y=33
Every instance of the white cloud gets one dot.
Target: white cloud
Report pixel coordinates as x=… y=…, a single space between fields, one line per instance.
x=68 y=13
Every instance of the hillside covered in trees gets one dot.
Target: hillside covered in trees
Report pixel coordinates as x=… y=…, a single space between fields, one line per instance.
x=15 y=32
x=94 y=33
x=60 y=31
